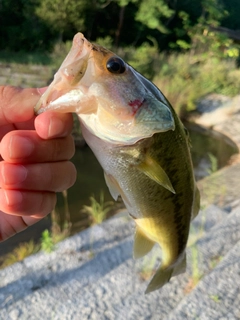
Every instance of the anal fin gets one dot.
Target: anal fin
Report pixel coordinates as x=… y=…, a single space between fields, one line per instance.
x=142 y=244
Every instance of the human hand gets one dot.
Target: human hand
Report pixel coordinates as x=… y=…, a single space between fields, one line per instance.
x=35 y=153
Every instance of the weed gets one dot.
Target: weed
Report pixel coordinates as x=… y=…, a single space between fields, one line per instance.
x=181 y=74
x=215 y=298
x=214 y=163
x=58 y=232
x=195 y=257
x=196 y=273
x=24 y=250
x=47 y=243
x=97 y=211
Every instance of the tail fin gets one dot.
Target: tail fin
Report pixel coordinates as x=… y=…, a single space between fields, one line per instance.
x=163 y=275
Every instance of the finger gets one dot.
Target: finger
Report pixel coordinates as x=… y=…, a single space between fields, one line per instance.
x=28 y=147
x=52 y=124
x=16 y=104
x=55 y=177
x=27 y=203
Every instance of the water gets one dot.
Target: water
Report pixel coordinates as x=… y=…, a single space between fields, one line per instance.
x=208 y=145
x=90 y=181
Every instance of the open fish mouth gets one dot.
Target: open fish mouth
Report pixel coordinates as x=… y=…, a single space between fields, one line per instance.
x=68 y=76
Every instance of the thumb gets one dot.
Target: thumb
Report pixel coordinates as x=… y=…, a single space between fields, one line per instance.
x=16 y=104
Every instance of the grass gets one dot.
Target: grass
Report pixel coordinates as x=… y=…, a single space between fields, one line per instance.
x=59 y=231
x=26 y=58
x=214 y=163
x=22 y=251
x=184 y=82
x=215 y=298
x=97 y=211
x=47 y=243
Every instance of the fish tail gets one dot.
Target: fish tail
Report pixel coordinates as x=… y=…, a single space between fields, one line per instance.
x=163 y=274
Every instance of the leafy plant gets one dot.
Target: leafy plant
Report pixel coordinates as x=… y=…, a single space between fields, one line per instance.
x=184 y=79
x=214 y=163
x=215 y=298
x=47 y=243
x=97 y=211
x=58 y=231
x=196 y=273
x=24 y=250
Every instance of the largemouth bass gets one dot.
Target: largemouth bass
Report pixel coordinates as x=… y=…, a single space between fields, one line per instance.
x=140 y=143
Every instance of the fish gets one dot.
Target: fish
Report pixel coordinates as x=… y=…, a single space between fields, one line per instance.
x=141 y=144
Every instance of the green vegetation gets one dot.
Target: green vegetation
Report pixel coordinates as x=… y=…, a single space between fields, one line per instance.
x=35 y=25
x=214 y=164
x=177 y=44
x=59 y=230
x=98 y=211
x=184 y=82
x=196 y=273
x=215 y=298
x=22 y=251
x=47 y=243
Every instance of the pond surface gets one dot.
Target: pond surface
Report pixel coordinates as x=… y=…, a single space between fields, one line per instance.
x=209 y=146
x=90 y=180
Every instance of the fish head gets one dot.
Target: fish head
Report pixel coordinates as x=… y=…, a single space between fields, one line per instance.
x=112 y=100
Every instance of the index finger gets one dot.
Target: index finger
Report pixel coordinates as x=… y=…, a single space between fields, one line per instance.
x=16 y=104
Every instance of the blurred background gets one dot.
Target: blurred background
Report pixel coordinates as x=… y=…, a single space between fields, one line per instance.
x=188 y=48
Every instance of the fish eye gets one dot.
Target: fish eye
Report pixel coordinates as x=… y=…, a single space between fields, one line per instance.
x=116 y=65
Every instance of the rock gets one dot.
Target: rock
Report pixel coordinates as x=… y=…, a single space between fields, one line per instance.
x=218 y=112
x=212 y=102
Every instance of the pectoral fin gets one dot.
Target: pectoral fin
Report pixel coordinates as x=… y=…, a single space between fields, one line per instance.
x=155 y=172
x=142 y=244
x=112 y=186
x=115 y=189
